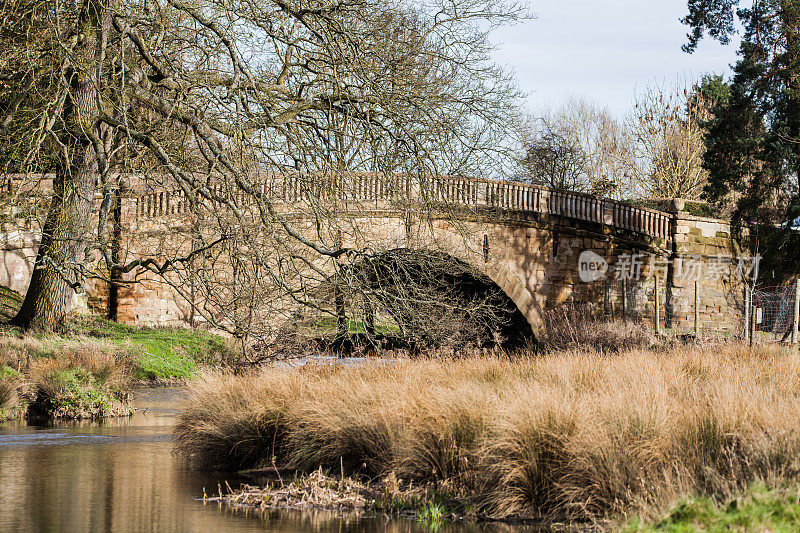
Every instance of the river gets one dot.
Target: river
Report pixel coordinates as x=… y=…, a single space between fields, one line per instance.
x=121 y=475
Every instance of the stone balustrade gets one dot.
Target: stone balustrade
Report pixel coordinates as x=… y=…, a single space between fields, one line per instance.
x=455 y=191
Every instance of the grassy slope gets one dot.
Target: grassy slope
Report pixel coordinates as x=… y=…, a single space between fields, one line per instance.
x=160 y=353
x=758 y=510
x=10 y=302
x=89 y=372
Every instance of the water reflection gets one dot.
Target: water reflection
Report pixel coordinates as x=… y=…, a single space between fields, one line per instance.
x=122 y=476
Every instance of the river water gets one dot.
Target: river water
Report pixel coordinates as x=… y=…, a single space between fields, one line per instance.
x=121 y=475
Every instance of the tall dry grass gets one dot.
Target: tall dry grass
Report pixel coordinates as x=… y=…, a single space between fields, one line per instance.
x=569 y=436
x=57 y=377
x=574 y=326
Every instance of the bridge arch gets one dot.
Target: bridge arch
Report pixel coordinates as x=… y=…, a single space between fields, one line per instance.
x=467 y=245
x=420 y=288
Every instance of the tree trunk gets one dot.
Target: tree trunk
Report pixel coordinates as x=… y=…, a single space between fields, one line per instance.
x=57 y=271
x=116 y=250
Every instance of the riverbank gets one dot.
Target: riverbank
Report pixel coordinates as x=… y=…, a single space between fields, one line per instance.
x=570 y=437
x=89 y=372
x=754 y=509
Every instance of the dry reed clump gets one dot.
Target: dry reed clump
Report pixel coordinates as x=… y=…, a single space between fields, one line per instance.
x=569 y=436
x=582 y=327
x=14 y=394
x=54 y=377
x=80 y=380
x=16 y=352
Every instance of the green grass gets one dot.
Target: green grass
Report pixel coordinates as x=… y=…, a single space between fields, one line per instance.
x=77 y=393
x=759 y=510
x=432 y=512
x=160 y=353
x=6 y=372
x=156 y=353
x=328 y=324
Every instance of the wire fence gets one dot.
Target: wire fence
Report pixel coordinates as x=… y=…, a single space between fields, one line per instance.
x=761 y=315
x=773 y=314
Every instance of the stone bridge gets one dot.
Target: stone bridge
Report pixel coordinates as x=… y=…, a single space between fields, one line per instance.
x=529 y=240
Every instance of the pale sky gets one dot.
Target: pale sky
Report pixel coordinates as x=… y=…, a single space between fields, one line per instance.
x=605 y=50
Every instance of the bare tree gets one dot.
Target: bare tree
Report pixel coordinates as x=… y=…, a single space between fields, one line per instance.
x=574 y=146
x=221 y=102
x=663 y=156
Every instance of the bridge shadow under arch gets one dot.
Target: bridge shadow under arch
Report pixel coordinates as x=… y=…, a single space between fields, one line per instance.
x=401 y=278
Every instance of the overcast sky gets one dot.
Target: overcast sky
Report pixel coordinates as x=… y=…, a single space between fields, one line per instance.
x=604 y=49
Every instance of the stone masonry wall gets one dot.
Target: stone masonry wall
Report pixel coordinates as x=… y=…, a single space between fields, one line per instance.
x=533 y=257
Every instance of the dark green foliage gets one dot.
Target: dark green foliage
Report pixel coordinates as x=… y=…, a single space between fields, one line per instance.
x=753 y=140
x=714 y=16
x=714 y=88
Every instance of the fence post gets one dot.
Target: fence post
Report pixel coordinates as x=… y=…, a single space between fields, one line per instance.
x=624 y=298
x=752 y=324
x=656 y=307
x=696 y=309
x=747 y=301
x=796 y=318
